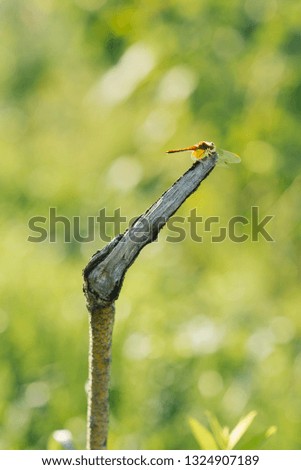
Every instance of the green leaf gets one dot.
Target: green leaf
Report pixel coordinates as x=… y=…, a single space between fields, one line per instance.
x=256 y=442
x=270 y=432
x=240 y=429
x=221 y=434
x=204 y=438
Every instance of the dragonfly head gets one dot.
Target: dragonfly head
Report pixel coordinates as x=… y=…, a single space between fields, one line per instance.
x=209 y=146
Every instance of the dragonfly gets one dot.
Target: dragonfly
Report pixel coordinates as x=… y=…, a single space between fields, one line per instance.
x=206 y=149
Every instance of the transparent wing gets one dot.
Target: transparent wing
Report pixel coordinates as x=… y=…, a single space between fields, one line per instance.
x=225 y=157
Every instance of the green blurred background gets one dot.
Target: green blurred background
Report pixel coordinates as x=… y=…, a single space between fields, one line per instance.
x=92 y=94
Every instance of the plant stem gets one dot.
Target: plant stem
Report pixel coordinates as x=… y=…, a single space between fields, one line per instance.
x=101 y=329
x=103 y=279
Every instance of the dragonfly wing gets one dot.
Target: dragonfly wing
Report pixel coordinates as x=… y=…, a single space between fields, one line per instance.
x=225 y=157
x=221 y=162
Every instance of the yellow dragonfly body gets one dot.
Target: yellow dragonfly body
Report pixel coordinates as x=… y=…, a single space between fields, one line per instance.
x=206 y=149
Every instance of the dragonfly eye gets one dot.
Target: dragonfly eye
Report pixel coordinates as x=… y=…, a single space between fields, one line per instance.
x=208 y=145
